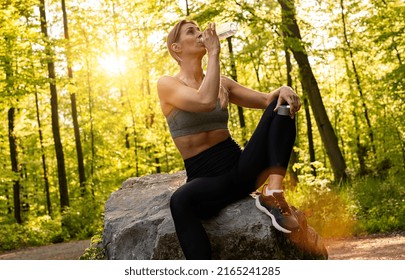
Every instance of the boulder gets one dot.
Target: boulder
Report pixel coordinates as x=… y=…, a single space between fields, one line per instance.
x=138 y=226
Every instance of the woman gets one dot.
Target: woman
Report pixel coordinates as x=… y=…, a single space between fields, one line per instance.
x=219 y=172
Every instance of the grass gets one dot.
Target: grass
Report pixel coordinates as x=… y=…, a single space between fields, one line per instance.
x=380 y=203
x=363 y=205
x=81 y=221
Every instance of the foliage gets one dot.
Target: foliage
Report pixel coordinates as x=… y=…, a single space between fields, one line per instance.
x=329 y=211
x=81 y=221
x=380 y=203
x=364 y=205
x=38 y=231
x=96 y=250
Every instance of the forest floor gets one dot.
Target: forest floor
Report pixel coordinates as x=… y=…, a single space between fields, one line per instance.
x=389 y=246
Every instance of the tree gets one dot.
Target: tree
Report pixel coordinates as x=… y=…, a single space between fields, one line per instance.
x=15 y=166
x=310 y=87
x=10 y=89
x=234 y=76
x=358 y=84
x=60 y=157
x=79 y=150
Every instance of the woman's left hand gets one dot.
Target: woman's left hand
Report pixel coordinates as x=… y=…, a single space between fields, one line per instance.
x=287 y=95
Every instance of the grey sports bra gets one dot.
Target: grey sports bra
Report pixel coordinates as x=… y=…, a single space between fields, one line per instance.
x=182 y=123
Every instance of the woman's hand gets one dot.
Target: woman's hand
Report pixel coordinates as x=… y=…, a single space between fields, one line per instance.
x=210 y=39
x=287 y=95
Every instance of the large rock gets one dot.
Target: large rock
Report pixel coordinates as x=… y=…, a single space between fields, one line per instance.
x=138 y=225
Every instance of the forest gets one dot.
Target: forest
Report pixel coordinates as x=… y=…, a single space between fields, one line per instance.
x=80 y=112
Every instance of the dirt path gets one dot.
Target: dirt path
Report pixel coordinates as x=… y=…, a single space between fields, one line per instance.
x=372 y=247
x=61 y=251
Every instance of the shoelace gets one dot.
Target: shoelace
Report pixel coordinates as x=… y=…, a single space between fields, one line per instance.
x=282 y=204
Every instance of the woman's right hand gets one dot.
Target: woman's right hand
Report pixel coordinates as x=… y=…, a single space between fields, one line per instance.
x=210 y=39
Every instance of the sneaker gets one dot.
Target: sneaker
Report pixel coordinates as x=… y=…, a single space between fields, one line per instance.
x=280 y=213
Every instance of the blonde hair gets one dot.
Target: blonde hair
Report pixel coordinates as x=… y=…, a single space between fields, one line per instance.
x=173 y=37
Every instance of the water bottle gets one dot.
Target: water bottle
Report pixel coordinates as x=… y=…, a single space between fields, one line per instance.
x=226 y=30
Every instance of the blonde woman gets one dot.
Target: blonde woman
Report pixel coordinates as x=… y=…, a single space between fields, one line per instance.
x=219 y=172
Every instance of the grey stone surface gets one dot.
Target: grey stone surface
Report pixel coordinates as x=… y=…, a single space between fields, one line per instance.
x=138 y=225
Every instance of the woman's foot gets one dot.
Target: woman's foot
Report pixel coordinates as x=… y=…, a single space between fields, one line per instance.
x=277 y=208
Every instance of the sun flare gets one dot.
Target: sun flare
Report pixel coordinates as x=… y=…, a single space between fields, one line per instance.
x=112 y=64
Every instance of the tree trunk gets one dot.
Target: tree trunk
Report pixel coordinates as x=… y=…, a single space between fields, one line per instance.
x=310 y=87
x=14 y=165
x=358 y=82
x=63 y=186
x=79 y=150
x=234 y=76
x=294 y=154
x=44 y=165
x=92 y=138
x=311 y=148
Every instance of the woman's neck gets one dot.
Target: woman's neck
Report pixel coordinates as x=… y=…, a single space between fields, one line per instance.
x=191 y=72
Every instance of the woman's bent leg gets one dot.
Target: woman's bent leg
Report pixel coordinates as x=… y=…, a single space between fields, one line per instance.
x=268 y=150
x=266 y=156
x=201 y=198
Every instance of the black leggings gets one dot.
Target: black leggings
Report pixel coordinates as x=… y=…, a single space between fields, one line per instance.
x=224 y=173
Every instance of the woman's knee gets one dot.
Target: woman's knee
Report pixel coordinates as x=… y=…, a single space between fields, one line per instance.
x=179 y=201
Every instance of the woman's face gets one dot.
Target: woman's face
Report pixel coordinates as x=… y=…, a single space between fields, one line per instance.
x=189 y=39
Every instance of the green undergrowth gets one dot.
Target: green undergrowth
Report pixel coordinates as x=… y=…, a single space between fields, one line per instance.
x=380 y=203
x=362 y=205
x=82 y=220
x=95 y=251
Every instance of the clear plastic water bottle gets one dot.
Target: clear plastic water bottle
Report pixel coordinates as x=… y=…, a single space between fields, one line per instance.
x=226 y=30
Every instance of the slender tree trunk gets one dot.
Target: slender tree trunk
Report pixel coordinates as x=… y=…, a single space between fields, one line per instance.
x=289 y=67
x=14 y=165
x=361 y=150
x=44 y=165
x=91 y=118
x=358 y=82
x=311 y=147
x=60 y=157
x=310 y=87
x=79 y=150
x=294 y=154
x=92 y=138
x=187 y=9
x=41 y=141
x=234 y=76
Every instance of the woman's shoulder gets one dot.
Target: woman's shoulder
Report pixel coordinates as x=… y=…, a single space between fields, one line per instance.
x=165 y=79
x=166 y=82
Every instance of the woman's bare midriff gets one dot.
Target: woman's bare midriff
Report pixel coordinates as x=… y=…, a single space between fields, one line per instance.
x=191 y=145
